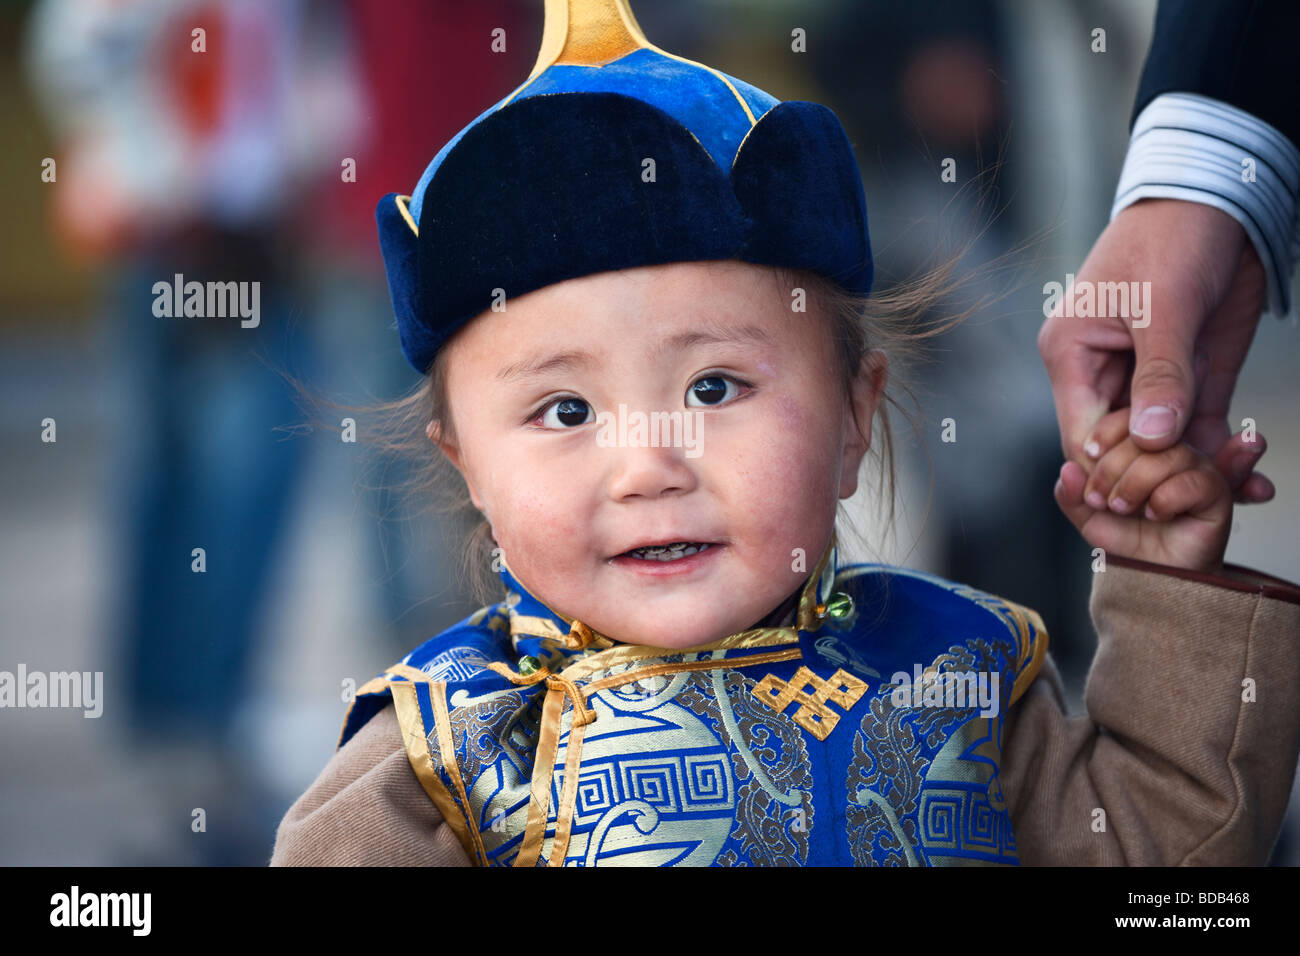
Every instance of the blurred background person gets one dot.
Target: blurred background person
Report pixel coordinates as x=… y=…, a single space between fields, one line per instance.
x=186 y=132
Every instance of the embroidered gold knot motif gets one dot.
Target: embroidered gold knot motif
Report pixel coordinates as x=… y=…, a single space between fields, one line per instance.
x=813 y=694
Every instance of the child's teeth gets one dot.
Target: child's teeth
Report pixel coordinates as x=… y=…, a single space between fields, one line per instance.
x=672 y=552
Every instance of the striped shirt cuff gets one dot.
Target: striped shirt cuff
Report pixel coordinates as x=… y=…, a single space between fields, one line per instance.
x=1188 y=146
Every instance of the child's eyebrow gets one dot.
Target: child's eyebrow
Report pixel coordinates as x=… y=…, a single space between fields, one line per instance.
x=578 y=358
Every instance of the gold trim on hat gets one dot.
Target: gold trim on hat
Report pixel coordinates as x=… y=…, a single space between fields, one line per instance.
x=596 y=32
x=587 y=33
x=403 y=202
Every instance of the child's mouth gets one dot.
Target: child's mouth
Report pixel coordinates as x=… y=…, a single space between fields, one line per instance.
x=681 y=558
x=668 y=552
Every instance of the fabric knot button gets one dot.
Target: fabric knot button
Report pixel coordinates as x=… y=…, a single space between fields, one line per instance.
x=579 y=637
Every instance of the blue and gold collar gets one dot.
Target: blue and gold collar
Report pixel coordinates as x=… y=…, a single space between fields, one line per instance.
x=537 y=630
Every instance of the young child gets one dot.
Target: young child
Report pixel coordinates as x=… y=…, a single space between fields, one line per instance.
x=681 y=672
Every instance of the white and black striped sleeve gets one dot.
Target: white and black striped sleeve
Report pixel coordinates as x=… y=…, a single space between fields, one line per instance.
x=1191 y=147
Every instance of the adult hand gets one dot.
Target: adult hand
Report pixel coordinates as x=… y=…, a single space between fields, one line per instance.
x=1178 y=373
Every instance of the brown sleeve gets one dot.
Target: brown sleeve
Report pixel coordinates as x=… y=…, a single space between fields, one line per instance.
x=367 y=808
x=1186 y=770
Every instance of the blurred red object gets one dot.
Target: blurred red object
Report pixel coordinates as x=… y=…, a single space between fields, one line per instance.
x=195 y=82
x=428 y=70
x=158 y=138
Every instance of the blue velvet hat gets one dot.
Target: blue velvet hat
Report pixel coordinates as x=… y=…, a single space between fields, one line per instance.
x=615 y=154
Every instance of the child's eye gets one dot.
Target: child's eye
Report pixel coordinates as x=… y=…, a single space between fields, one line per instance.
x=712 y=389
x=568 y=413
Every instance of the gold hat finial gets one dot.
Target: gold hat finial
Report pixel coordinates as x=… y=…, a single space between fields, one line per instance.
x=587 y=33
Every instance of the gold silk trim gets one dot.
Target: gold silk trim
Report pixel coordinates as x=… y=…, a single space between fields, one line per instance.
x=409 y=672
x=535 y=627
x=414 y=736
x=640 y=673
x=811 y=611
x=372 y=686
x=1032 y=650
x=515 y=677
x=579 y=638
x=581 y=715
x=630 y=653
x=403 y=206
x=447 y=750
x=569 y=795
x=539 y=797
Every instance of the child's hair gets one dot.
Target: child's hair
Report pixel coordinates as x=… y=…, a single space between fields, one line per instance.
x=897 y=321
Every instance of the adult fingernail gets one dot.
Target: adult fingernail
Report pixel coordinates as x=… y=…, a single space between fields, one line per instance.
x=1156 y=422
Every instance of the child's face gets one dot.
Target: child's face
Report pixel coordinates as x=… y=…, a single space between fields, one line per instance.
x=775 y=446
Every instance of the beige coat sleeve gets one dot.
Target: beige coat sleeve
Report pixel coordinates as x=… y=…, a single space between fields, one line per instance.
x=1189 y=745
x=367 y=808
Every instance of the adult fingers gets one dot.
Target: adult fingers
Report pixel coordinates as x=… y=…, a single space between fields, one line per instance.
x=1164 y=379
x=1088 y=363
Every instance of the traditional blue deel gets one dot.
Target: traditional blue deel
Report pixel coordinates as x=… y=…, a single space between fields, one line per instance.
x=615 y=154
x=543 y=743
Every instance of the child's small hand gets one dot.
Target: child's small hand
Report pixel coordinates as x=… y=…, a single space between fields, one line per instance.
x=1170 y=507
x=1236 y=460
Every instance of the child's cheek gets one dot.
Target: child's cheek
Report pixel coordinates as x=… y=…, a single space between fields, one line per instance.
x=790 y=413
x=544 y=515
x=796 y=432
x=786 y=453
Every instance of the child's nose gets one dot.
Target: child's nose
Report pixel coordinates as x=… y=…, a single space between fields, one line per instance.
x=650 y=472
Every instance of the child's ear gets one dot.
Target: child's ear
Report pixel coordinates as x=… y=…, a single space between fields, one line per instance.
x=445 y=445
x=867 y=389
x=448 y=448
